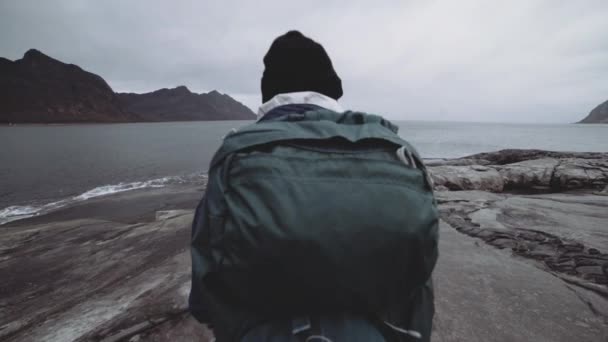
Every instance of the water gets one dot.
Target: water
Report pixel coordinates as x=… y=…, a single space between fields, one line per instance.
x=450 y=140
x=46 y=167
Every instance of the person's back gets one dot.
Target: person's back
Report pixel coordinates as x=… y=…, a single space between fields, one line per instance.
x=316 y=222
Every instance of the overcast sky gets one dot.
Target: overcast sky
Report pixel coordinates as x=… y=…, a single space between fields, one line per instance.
x=464 y=60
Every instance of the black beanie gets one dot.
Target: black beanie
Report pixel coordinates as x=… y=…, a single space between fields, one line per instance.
x=295 y=62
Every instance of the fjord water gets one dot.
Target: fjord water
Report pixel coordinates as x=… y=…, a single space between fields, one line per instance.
x=46 y=166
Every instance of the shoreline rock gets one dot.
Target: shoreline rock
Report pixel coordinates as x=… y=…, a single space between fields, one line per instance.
x=523 y=170
x=505 y=258
x=548 y=207
x=534 y=227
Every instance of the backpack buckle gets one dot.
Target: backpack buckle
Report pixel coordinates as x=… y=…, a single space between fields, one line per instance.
x=406 y=157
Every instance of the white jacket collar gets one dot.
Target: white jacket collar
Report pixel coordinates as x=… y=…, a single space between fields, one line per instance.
x=301 y=97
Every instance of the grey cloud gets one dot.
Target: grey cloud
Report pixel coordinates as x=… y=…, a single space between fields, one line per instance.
x=522 y=60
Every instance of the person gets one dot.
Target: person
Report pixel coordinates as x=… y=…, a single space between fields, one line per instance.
x=316 y=222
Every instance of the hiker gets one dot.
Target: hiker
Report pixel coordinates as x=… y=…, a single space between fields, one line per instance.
x=318 y=224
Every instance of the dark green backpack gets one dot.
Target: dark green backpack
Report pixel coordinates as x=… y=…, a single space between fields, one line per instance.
x=313 y=214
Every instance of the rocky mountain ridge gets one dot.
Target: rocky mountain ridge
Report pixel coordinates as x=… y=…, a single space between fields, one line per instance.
x=598 y=115
x=41 y=89
x=180 y=104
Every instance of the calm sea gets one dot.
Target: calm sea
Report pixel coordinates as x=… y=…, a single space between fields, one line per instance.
x=45 y=167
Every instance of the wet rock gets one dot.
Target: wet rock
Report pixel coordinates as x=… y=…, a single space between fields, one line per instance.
x=504 y=259
x=590 y=260
x=484 y=294
x=114 y=281
x=456 y=162
x=591 y=270
x=441 y=188
x=131 y=331
x=541 y=252
x=477 y=289
x=563 y=266
x=510 y=156
x=572 y=247
x=553 y=242
x=504 y=243
x=581 y=173
x=530 y=171
x=471 y=177
x=167 y=214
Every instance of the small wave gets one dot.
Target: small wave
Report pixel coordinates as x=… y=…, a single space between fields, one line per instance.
x=113 y=189
x=17 y=212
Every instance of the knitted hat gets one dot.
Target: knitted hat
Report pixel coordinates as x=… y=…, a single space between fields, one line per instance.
x=294 y=63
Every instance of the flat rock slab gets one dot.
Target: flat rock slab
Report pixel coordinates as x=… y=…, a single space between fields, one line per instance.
x=566 y=233
x=485 y=294
x=96 y=280
x=104 y=280
x=579 y=217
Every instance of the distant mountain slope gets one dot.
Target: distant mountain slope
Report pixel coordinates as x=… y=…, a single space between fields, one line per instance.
x=40 y=89
x=598 y=115
x=180 y=104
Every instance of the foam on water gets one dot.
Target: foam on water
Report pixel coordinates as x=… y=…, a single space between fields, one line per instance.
x=121 y=187
x=18 y=212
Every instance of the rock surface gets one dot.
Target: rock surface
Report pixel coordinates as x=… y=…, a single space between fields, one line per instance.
x=40 y=89
x=469 y=177
x=522 y=170
x=512 y=266
x=598 y=115
x=97 y=280
x=486 y=294
x=107 y=279
x=510 y=156
x=566 y=233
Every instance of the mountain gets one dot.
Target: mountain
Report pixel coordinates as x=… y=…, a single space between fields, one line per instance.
x=180 y=104
x=40 y=89
x=598 y=115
